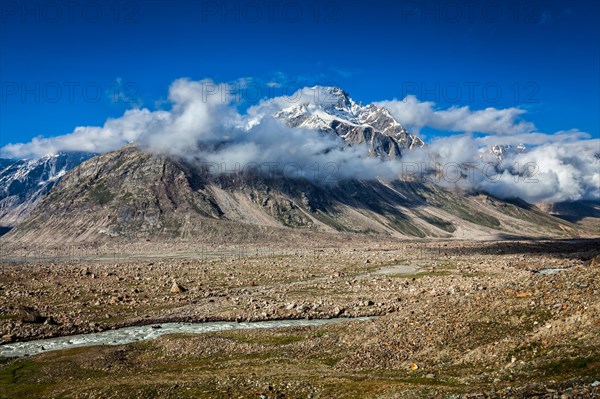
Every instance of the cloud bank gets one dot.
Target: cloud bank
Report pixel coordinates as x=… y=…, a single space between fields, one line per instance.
x=416 y=115
x=203 y=125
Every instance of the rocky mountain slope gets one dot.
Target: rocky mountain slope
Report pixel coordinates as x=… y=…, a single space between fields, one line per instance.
x=23 y=183
x=335 y=113
x=129 y=193
x=586 y=214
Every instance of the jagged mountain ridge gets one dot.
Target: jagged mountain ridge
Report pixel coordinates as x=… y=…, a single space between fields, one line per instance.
x=157 y=192
x=132 y=194
x=332 y=111
x=23 y=183
x=501 y=151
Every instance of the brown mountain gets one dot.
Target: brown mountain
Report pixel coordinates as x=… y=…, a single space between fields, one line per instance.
x=134 y=195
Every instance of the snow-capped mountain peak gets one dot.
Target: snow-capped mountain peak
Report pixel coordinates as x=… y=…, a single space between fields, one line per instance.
x=500 y=151
x=334 y=101
x=331 y=110
x=24 y=182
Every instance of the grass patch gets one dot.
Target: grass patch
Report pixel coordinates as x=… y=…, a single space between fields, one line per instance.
x=446 y=266
x=420 y=274
x=127 y=198
x=278 y=339
x=473 y=274
x=329 y=361
x=100 y=194
x=436 y=221
x=570 y=366
x=18 y=379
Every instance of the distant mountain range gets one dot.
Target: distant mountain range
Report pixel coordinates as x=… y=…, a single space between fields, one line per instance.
x=132 y=194
x=23 y=183
x=135 y=195
x=356 y=124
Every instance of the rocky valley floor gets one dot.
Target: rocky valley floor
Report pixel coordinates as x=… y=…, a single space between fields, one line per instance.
x=454 y=319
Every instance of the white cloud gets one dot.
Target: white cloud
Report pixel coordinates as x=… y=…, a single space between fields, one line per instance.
x=203 y=125
x=554 y=171
x=417 y=114
x=114 y=134
x=535 y=138
x=560 y=172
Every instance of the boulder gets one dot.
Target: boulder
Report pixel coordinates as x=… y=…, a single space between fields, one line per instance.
x=8 y=338
x=28 y=314
x=177 y=288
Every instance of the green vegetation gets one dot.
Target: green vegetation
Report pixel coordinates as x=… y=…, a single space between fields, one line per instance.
x=127 y=198
x=331 y=221
x=420 y=274
x=570 y=366
x=436 y=221
x=453 y=205
x=400 y=223
x=100 y=194
x=18 y=380
x=286 y=362
x=276 y=339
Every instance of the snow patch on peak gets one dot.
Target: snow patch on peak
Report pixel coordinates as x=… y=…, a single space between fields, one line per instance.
x=500 y=151
x=331 y=110
x=26 y=181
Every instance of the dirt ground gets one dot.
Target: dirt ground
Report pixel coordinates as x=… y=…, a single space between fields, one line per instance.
x=456 y=319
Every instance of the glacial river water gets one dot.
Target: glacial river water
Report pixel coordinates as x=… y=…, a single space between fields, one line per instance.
x=127 y=335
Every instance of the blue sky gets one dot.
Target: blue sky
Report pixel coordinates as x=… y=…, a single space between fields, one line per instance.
x=69 y=64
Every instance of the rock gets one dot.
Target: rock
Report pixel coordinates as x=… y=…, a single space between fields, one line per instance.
x=8 y=338
x=301 y=309
x=50 y=321
x=595 y=384
x=177 y=288
x=30 y=315
x=430 y=376
x=413 y=366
